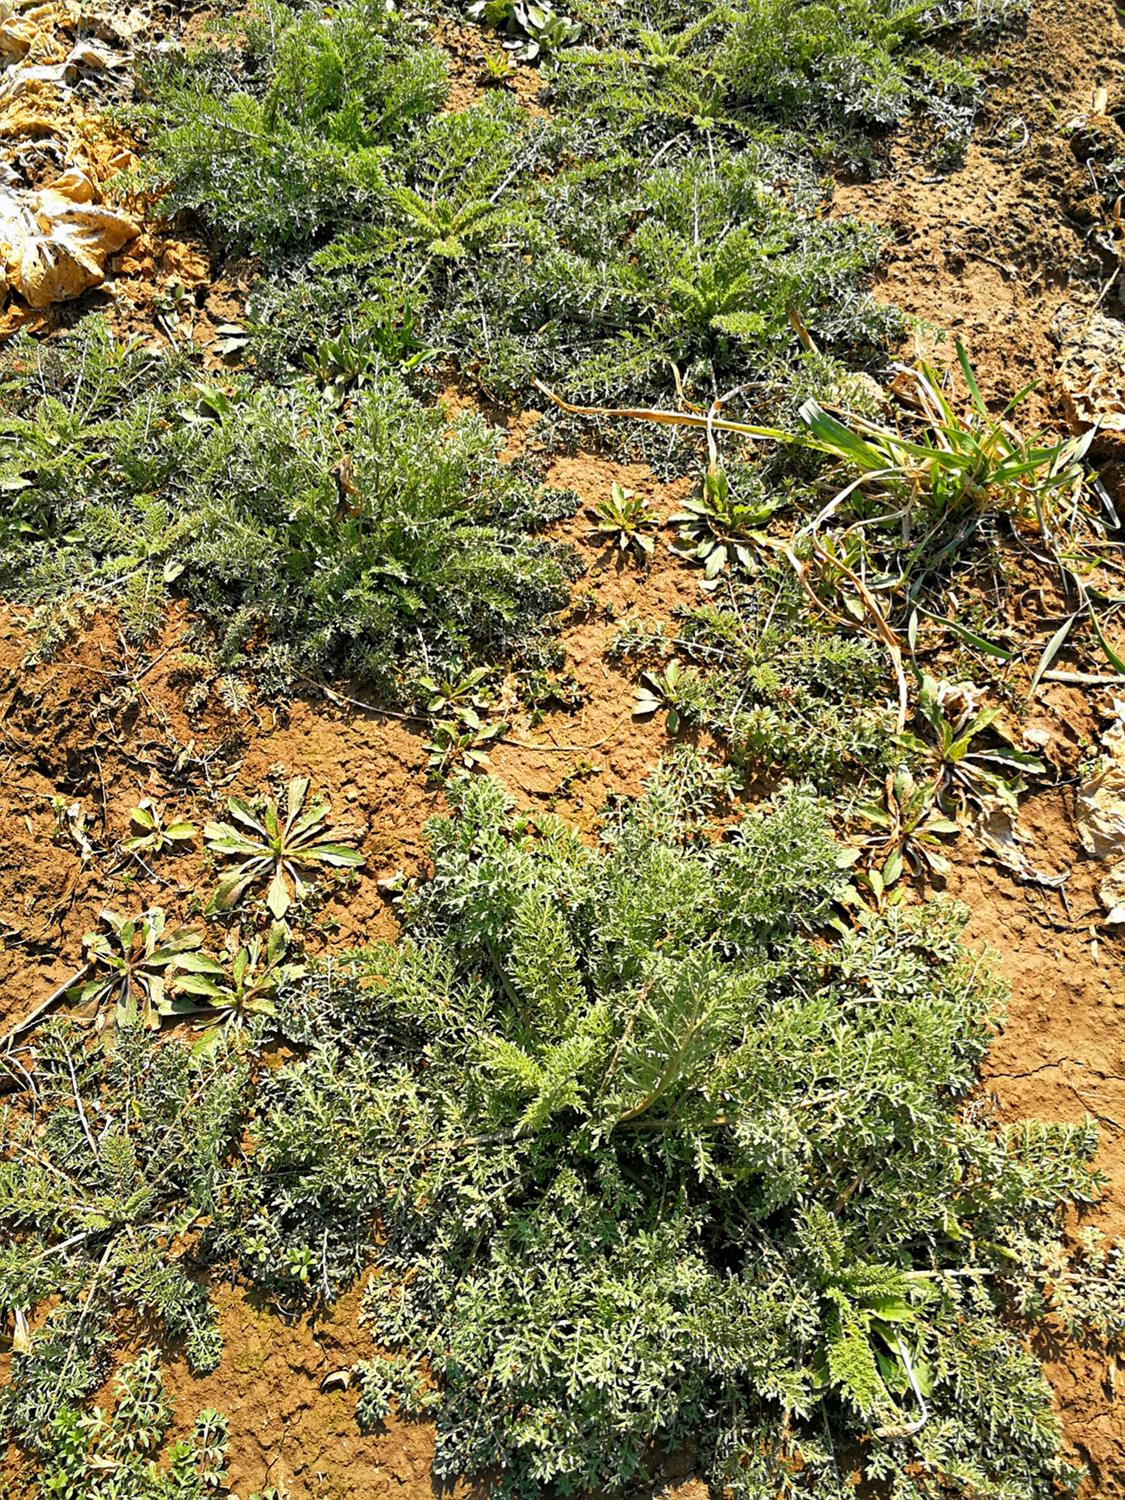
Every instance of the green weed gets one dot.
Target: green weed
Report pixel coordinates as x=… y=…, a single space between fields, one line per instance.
x=654 y=1159
x=382 y=546
x=281 y=849
x=779 y=692
x=135 y=967
x=123 y=1454
x=99 y=1194
x=625 y=520
x=155 y=833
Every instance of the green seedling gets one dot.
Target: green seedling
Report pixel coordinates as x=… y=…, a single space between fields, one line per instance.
x=661 y=690
x=153 y=834
x=278 y=849
x=457 y=695
x=968 y=767
x=247 y=983
x=624 y=520
x=908 y=830
x=460 y=746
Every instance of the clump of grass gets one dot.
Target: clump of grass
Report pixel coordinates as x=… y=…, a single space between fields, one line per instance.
x=922 y=495
x=952 y=463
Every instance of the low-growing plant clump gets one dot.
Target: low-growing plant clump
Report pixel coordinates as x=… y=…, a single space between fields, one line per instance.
x=782 y=694
x=117 y=1163
x=124 y=1454
x=646 y=1146
x=379 y=549
x=657 y=1155
x=517 y=246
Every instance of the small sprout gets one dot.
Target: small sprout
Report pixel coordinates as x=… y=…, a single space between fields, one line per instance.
x=211 y=403
x=137 y=966
x=455 y=695
x=715 y=529
x=624 y=520
x=497 y=69
x=461 y=737
x=534 y=33
x=246 y=987
x=907 y=830
x=460 y=745
x=153 y=835
x=278 y=849
x=342 y=363
x=72 y=822
x=661 y=690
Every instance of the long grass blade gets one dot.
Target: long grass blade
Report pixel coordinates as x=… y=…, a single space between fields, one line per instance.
x=1112 y=657
x=1050 y=651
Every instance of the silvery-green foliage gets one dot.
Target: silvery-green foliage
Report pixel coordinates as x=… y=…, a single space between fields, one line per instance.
x=645 y=1151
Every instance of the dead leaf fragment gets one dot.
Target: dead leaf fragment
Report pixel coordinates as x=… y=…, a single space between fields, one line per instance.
x=1092 y=374
x=1002 y=836
x=1112 y=893
x=55 y=241
x=1100 y=814
x=1101 y=797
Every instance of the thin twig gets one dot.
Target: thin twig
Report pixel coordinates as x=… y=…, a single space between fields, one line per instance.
x=78 y=1102
x=345 y=702
x=566 y=749
x=428 y=719
x=52 y=999
x=666 y=418
x=1084 y=679
x=882 y=631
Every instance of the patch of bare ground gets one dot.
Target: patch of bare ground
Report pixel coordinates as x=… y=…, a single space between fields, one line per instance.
x=470 y=50
x=101 y=724
x=991 y=251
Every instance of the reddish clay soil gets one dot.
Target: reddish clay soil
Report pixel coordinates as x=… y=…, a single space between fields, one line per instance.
x=990 y=252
